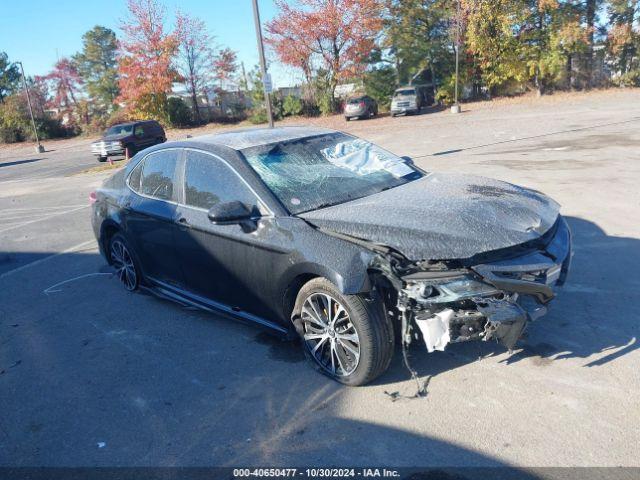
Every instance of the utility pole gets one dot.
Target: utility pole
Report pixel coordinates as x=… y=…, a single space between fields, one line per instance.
x=39 y=148
x=456 y=106
x=263 y=66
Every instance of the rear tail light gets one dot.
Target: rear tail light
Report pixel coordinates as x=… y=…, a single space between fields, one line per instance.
x=92 y=198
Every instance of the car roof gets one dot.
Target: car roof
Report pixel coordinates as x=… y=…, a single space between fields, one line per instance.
x=253 y=137
x=134 y=122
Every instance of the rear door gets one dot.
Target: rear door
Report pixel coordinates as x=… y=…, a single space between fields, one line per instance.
x=150 y=215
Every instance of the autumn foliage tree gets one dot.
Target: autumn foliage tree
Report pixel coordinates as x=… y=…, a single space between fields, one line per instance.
x=225 y=65
x=335 y=36
x=146 y=61
x=195 y=56
x=64 y=83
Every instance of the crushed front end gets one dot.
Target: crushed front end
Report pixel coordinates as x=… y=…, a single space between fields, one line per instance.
x=483 y=298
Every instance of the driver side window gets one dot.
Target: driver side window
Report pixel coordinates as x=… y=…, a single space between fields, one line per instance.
x=208 y=181
x=139 y=131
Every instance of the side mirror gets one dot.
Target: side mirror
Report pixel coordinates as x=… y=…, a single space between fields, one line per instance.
x=228 y=213
x=407 y=160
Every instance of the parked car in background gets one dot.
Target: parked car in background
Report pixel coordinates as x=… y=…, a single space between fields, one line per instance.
x=331 y=239
x=128 y=139
x=411 y=99
x=360 y=107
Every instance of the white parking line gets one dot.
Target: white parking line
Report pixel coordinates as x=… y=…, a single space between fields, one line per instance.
x=38 y=262
x=25 y=209
x=13 y=227
x=50 y=289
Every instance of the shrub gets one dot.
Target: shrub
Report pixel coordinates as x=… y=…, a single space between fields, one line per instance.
x=258 y=115
x=629 y=79
x=446 y=93
x=292 y=106
x=118 y=116
x=179 y=112
x=15 y=123
x=325 y=105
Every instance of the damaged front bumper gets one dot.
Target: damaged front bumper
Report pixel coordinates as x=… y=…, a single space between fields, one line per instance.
x=492 y=300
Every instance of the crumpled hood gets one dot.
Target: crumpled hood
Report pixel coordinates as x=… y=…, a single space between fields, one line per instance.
x=443 y=217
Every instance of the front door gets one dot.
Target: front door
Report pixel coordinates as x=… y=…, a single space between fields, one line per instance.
x=228 y=264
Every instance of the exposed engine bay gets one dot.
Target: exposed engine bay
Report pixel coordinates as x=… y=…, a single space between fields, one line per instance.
x=451 y=302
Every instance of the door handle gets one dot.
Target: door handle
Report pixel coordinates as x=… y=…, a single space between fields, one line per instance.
x=183 y=223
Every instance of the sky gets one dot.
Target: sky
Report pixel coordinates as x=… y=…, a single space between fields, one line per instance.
x=37 y=32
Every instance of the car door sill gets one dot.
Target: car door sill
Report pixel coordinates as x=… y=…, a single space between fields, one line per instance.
x=179 y=295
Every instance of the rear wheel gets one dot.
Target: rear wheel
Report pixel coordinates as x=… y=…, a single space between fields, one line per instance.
x=347 y=337
x=123 y=261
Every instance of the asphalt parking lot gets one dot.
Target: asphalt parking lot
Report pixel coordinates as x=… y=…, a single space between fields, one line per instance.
x=93 y=376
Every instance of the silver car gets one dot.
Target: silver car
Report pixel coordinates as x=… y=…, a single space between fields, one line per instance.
x=408 y=100
x=360 y=107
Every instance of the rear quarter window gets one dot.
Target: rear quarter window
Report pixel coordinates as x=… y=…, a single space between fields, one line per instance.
x=158 y=175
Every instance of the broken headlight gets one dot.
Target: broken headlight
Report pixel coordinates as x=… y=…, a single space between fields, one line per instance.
x=449 y=290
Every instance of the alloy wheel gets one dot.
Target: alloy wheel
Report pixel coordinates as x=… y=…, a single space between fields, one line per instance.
x=123 y=263
x=331 y=338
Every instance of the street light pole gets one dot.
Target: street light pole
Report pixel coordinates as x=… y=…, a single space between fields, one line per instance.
x=39 y=148
x=263 y=65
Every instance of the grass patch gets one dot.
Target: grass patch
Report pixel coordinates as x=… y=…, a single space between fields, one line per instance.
x=105 y=167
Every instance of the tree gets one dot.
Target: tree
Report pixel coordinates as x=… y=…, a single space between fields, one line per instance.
x=417 y=36
x=380 y=84
x=146 y=61
x=97 y=65
x=9 y=77
x=623 y=39
x=64 y=83
x=335 y=35
x=492 y=40
x=195 y=56
x=225 y=65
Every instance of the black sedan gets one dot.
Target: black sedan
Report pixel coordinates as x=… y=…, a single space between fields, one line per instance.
x=325 y=237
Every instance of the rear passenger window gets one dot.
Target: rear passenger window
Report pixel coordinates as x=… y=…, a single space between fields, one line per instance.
x=159 y=175
x=209 y=181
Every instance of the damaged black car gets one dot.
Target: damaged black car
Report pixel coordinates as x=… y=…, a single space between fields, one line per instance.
x=328 y=238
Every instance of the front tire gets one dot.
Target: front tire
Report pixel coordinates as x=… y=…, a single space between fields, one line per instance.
x=123 y=260
x=347 y=336
x=102 y=159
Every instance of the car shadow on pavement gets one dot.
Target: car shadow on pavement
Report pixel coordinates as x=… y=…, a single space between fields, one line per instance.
x=131 y=380
x=19 y=162
x=594 y=316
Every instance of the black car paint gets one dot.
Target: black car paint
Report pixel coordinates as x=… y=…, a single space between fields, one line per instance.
x=226 y=258
x=444 y=216
x=246 y=270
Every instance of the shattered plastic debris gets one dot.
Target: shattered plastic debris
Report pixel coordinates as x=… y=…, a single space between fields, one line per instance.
x=363 y=158
x=435 y=330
